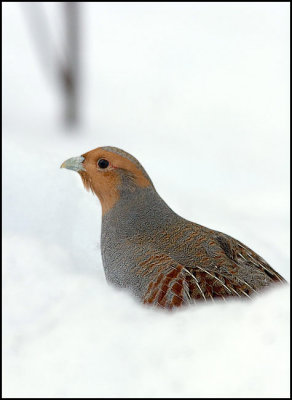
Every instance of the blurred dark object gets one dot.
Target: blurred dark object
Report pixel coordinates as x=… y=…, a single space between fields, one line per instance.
x=70 y=71
x=65 y=67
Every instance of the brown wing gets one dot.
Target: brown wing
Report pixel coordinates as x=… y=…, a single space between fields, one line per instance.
x=244 y=257
x=213 y=265
x=170 y=284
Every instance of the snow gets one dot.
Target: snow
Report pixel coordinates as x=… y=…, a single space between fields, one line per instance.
x=199 y=94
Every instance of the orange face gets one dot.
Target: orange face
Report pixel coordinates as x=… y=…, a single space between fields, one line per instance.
x=102 y=170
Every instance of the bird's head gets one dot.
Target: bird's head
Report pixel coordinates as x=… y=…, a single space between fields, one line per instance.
x=109 y=172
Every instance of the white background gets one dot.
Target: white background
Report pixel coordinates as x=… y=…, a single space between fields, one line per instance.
x=199 y=93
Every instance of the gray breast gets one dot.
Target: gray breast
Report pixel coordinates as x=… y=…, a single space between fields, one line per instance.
x=127 y=229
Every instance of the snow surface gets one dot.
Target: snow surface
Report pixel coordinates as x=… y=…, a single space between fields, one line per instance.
x=199 y=94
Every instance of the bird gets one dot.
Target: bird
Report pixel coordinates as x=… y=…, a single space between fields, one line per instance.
x=162 y=259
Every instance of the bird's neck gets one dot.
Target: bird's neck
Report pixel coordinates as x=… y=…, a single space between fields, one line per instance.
x=136 y=212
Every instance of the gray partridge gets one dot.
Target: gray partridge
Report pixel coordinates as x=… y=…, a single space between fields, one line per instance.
x=162 y=258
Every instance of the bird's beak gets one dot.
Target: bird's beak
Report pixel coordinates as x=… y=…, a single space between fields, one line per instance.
x=74 y=163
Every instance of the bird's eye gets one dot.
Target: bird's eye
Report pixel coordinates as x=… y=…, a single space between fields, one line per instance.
x=102 y=163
